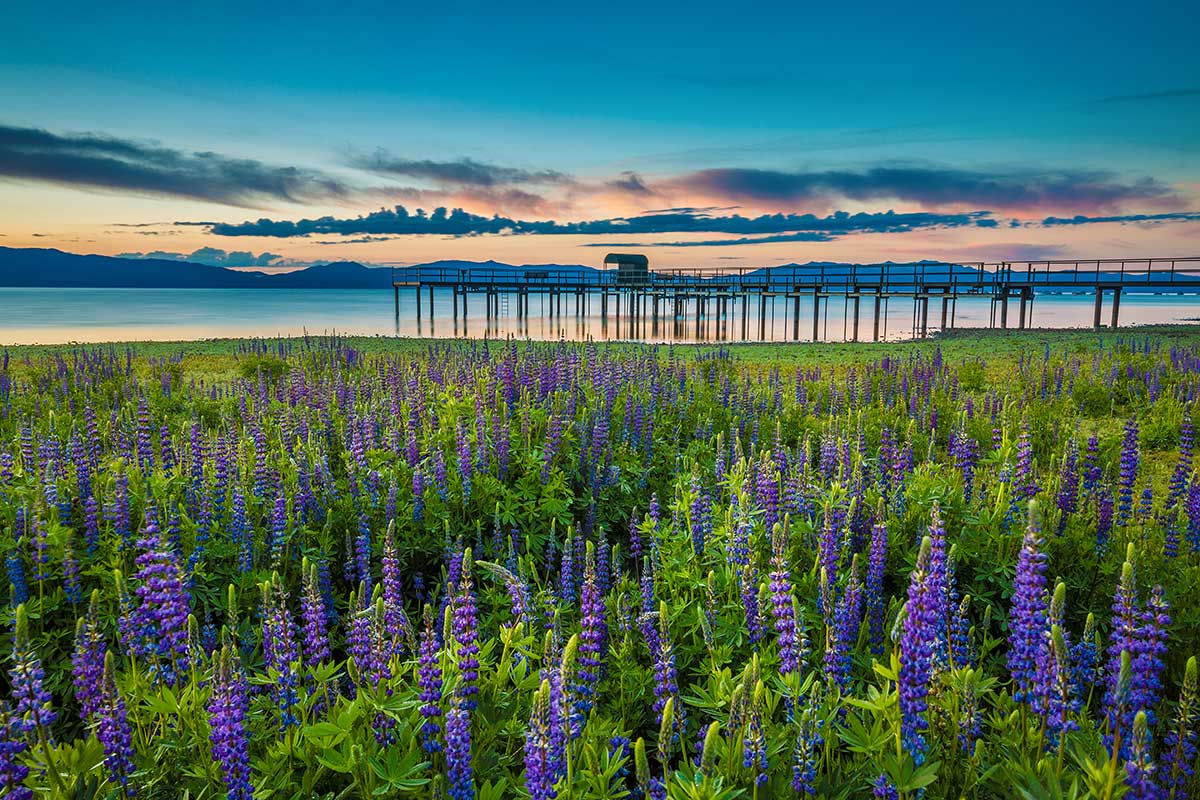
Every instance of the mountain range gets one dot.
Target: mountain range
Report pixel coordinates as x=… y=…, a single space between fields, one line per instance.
x=51 y=268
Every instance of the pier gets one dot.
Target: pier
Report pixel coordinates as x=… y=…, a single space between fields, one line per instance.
x=734 y=301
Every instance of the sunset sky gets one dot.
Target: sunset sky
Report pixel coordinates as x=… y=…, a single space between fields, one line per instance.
x=701 y=134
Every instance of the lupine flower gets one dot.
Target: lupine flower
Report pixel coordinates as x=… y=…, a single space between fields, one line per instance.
x=466 y=632
x=539 y=775
x=807 y=748
x=754 y=741
x=876 y=564
x=783 y=609
x=33 y=702
x=1146 y=683
x=458 y=751
x=1130 y=459
x=162 y=613
x=13 y=743
x=87 y=660
x=748 y=583
x=1024 y=480
x=280 y=651
x=1027 y=614
x=1140 y=767
x=1068 y=486
x=916 y=656
x=396 y=624
x=1123 y=643
x=227 y=708
x=594 y=627
x=1180 y=742
x=883 y=789
x=429 y=679
x=112 y=729
x=315 y=642
x=842 y=634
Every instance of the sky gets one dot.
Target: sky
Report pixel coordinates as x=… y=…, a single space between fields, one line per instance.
x=701 y=134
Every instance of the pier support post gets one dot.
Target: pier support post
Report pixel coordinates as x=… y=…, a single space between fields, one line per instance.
x=796 y=316
x=924 y=316
x=396 y=292
x=418 y=302
x=816 y=312
x=878 y=305
x=1021 y=319
x=945 y=309
x=431 y=302
x=1004 y=308
x=857 y=301
x=1116 y=306
x=1099 y=306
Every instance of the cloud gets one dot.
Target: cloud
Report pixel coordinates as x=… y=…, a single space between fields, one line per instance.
x=1169 y=94
x=461 y=172
x=630 y=183
x=1086 y=190
x=399 y=221
x=1123 y=219
x=782 y=237
x=95 y=161
x=212 y=256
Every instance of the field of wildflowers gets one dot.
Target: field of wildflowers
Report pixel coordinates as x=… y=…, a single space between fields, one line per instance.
x=333 y=568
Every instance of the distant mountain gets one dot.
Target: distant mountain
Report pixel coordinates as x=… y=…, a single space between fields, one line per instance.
x=53 y=268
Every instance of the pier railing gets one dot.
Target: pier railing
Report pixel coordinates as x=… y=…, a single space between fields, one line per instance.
x=1166 y=274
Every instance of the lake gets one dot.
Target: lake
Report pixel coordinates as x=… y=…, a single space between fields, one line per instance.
x=58 y=316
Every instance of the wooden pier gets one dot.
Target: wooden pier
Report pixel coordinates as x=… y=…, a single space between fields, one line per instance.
x=736 y=300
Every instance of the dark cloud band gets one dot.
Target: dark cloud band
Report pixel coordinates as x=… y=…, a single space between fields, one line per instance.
x=103 y=162
x=399 y=221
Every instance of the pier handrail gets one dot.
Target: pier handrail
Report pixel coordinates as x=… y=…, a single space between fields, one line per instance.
x=1177 y=274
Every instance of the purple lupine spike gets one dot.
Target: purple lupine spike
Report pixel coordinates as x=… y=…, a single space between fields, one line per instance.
x=1148 y=657
x=13 y=743
x=227 y=709
x=1183 y=466
x=1180 y=742
x=34 y=709
x=876 y=565
x=458 y=751
x=666 y=684
x=1027 y=616
x=748 y=586
x=783 y=606
x=280 y=651
x=396 y=623
x=312 y=612
x=754 y=741
x=539 y=773
x=87 y=660
x=1130 y=461
x=162 y=613
x=917 y=642
x=279 y=526
x=113 y=730
x=362 y=552
x=466 y=633
x=592 y=637
x=429 y=679
x=807 y=749
x=842 y=634
x=1123 y=643
x=1140 y=768
x=1025 y=485
x=1092 y=471
x=1068 y=486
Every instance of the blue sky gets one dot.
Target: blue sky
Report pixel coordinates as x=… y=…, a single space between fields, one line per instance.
x=678 y=96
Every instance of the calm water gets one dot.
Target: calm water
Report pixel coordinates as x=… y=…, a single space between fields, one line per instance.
x=57 y=316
